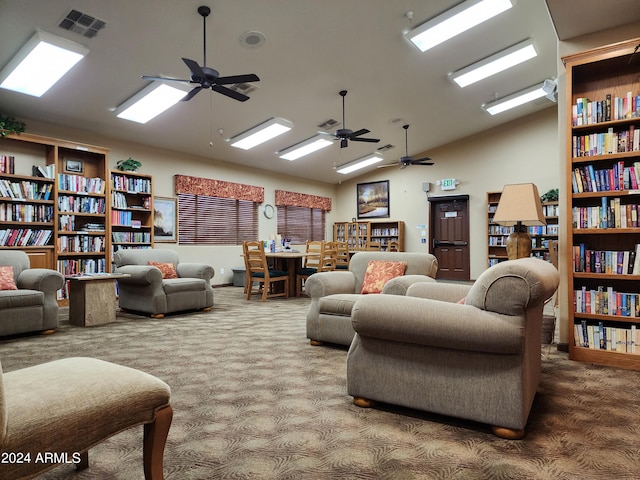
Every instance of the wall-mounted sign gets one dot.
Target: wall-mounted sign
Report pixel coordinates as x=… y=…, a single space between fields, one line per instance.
x=448 y=184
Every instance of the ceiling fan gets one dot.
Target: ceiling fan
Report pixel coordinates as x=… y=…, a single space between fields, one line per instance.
x=405 y=161
x=206 y=77
x=344 y=134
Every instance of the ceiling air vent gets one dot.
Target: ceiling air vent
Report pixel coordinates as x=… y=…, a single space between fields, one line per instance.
x=386 y=147
x=329 y=124
x=82 y=24
x=244 y=88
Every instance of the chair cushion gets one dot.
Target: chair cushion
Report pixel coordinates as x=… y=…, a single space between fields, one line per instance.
x=307 y=271
x=272 y=273
x=6 y=278
x=20 y=298
x=380 y=272
x=338 y=304
x=175 y=285
x=168 y=270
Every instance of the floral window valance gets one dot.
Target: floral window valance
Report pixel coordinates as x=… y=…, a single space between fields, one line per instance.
x=294 y=199
x=218 y=188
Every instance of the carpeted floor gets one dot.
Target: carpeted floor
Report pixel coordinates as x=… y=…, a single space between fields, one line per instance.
x=253 y=400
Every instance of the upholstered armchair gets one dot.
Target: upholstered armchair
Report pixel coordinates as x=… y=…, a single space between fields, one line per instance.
x=32 y=307
x=471 y=352
x=159 y=284
x=333 y=294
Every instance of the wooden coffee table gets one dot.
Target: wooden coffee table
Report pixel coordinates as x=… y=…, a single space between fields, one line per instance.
x=92 y=298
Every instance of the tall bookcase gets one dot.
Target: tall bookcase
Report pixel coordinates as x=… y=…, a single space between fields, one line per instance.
x=359 y=234
x=131 y=210
x=27 y=193
x=540 y=236
x=82 y=234
x=602 y=203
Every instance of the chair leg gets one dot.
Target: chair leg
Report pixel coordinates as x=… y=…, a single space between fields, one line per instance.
x=265 y=292
x=155 y=438
x=84 y=461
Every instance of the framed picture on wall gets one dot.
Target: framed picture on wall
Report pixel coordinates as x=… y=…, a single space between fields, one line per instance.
x=373 y=199
x=165 y=220
x=73 y=165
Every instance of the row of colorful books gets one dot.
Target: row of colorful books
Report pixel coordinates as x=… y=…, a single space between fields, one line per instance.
x=25 y=190
x=24 y=237
x=78 y=183
x=131 y=237
x=587 y=112
x=81 y=243
x=606 y=143
x=601 y=337
x=80 y=204
x=25 y=212
x=611 y=213
x=131 y=184
x=606 y=261
x=619 y=177
x=7 y=164
x=606 y=301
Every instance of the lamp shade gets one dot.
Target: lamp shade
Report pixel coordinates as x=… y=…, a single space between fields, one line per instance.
x=519 y=204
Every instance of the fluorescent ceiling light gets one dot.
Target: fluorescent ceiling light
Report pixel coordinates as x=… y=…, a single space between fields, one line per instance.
x=151 y=101
x=453 y=22
x=496 y=63
x=515 y=100
x=40 y=63
x=359 y=163
x=261 y=133
x=305 y=147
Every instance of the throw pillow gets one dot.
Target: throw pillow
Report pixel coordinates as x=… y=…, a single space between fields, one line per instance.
x=379 y=272
x=168 y=269
x=6 y=278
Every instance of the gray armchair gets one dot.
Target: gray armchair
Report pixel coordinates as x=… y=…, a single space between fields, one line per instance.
x=478 y=360
x=333 y=294
x=146 y=291
x=33 y=307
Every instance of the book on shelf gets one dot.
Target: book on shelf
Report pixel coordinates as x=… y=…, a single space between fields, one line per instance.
x=606 y=261
x=7 y=164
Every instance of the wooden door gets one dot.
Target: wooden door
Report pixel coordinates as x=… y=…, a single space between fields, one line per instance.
x=449 y=236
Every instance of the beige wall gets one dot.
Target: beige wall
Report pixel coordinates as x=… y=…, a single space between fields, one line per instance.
x=522 y=151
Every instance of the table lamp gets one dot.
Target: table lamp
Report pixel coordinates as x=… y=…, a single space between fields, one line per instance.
x=519 y=207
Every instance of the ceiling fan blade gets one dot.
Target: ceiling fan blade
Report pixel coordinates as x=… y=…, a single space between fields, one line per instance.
x=230 y=93
x=362 y=131
x=423 y=163
x=420 y=160
x=165 y=79
x=370 y=140
x=250 y=77
x=194 y=68
x=191 y=94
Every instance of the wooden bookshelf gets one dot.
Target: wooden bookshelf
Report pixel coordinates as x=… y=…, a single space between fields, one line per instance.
x=602 y=155
x=540 y=236
x=131 y=214
x=359 y=234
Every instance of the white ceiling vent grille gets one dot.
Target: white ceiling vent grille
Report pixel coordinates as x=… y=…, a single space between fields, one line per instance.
x=329 y=124
x=386 y=147
x=82 y=24
x=244 y=88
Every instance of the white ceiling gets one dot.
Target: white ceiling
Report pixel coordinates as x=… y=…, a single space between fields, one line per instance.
x=313 y=50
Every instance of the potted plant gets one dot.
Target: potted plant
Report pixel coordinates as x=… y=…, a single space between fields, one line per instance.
x=129 y=165
x=9 y=125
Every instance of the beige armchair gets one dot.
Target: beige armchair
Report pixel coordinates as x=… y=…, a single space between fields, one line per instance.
x=33 y=306
x=478 y=360
x=333 y=294
x=147 y=291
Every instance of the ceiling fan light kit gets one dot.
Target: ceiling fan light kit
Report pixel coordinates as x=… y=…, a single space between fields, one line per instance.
x=261 y=133
x=345 y=134
x=454 y=21
x=405 y=161
x=40 y=63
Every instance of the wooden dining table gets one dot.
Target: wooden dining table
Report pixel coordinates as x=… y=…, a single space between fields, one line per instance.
x=291 y=261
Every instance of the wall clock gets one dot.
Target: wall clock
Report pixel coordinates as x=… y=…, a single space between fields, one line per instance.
x=268 y=211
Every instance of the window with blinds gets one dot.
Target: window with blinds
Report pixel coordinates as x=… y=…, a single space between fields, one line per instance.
x=301 y=223
x=215 y=220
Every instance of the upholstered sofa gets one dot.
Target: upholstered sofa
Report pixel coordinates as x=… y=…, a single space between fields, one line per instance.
x=147 y=291
x=33 y=306
x=333 y=294
x=471 y=352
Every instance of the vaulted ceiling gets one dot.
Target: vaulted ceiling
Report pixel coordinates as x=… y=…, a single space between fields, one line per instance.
x=312 y=50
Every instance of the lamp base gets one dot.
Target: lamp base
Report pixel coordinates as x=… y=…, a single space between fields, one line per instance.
x=518 y=245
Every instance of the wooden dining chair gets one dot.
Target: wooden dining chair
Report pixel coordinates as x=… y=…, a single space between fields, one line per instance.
x=341 y=254
x=374 y=246
x=320 y=258
x=259 y=273
x=393 y=246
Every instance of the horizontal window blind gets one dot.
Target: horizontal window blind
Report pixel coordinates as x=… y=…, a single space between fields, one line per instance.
x=216 y=221
x=301 y=224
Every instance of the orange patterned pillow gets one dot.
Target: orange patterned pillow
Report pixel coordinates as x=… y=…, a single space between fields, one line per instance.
x=168 y=269
x=379 y=272
x=6 y=278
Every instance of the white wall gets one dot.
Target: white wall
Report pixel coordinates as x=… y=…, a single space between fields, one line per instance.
x=522 y=151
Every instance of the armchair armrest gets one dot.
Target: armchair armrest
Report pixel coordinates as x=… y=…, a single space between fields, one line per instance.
x=140 y=274
x=446 y=292
x=322 y=284
x=400 y=285
x=195 y=270
x=42 y=279
x=437 y=323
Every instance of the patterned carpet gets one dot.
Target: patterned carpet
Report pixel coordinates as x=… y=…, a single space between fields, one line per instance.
x=253 y=400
